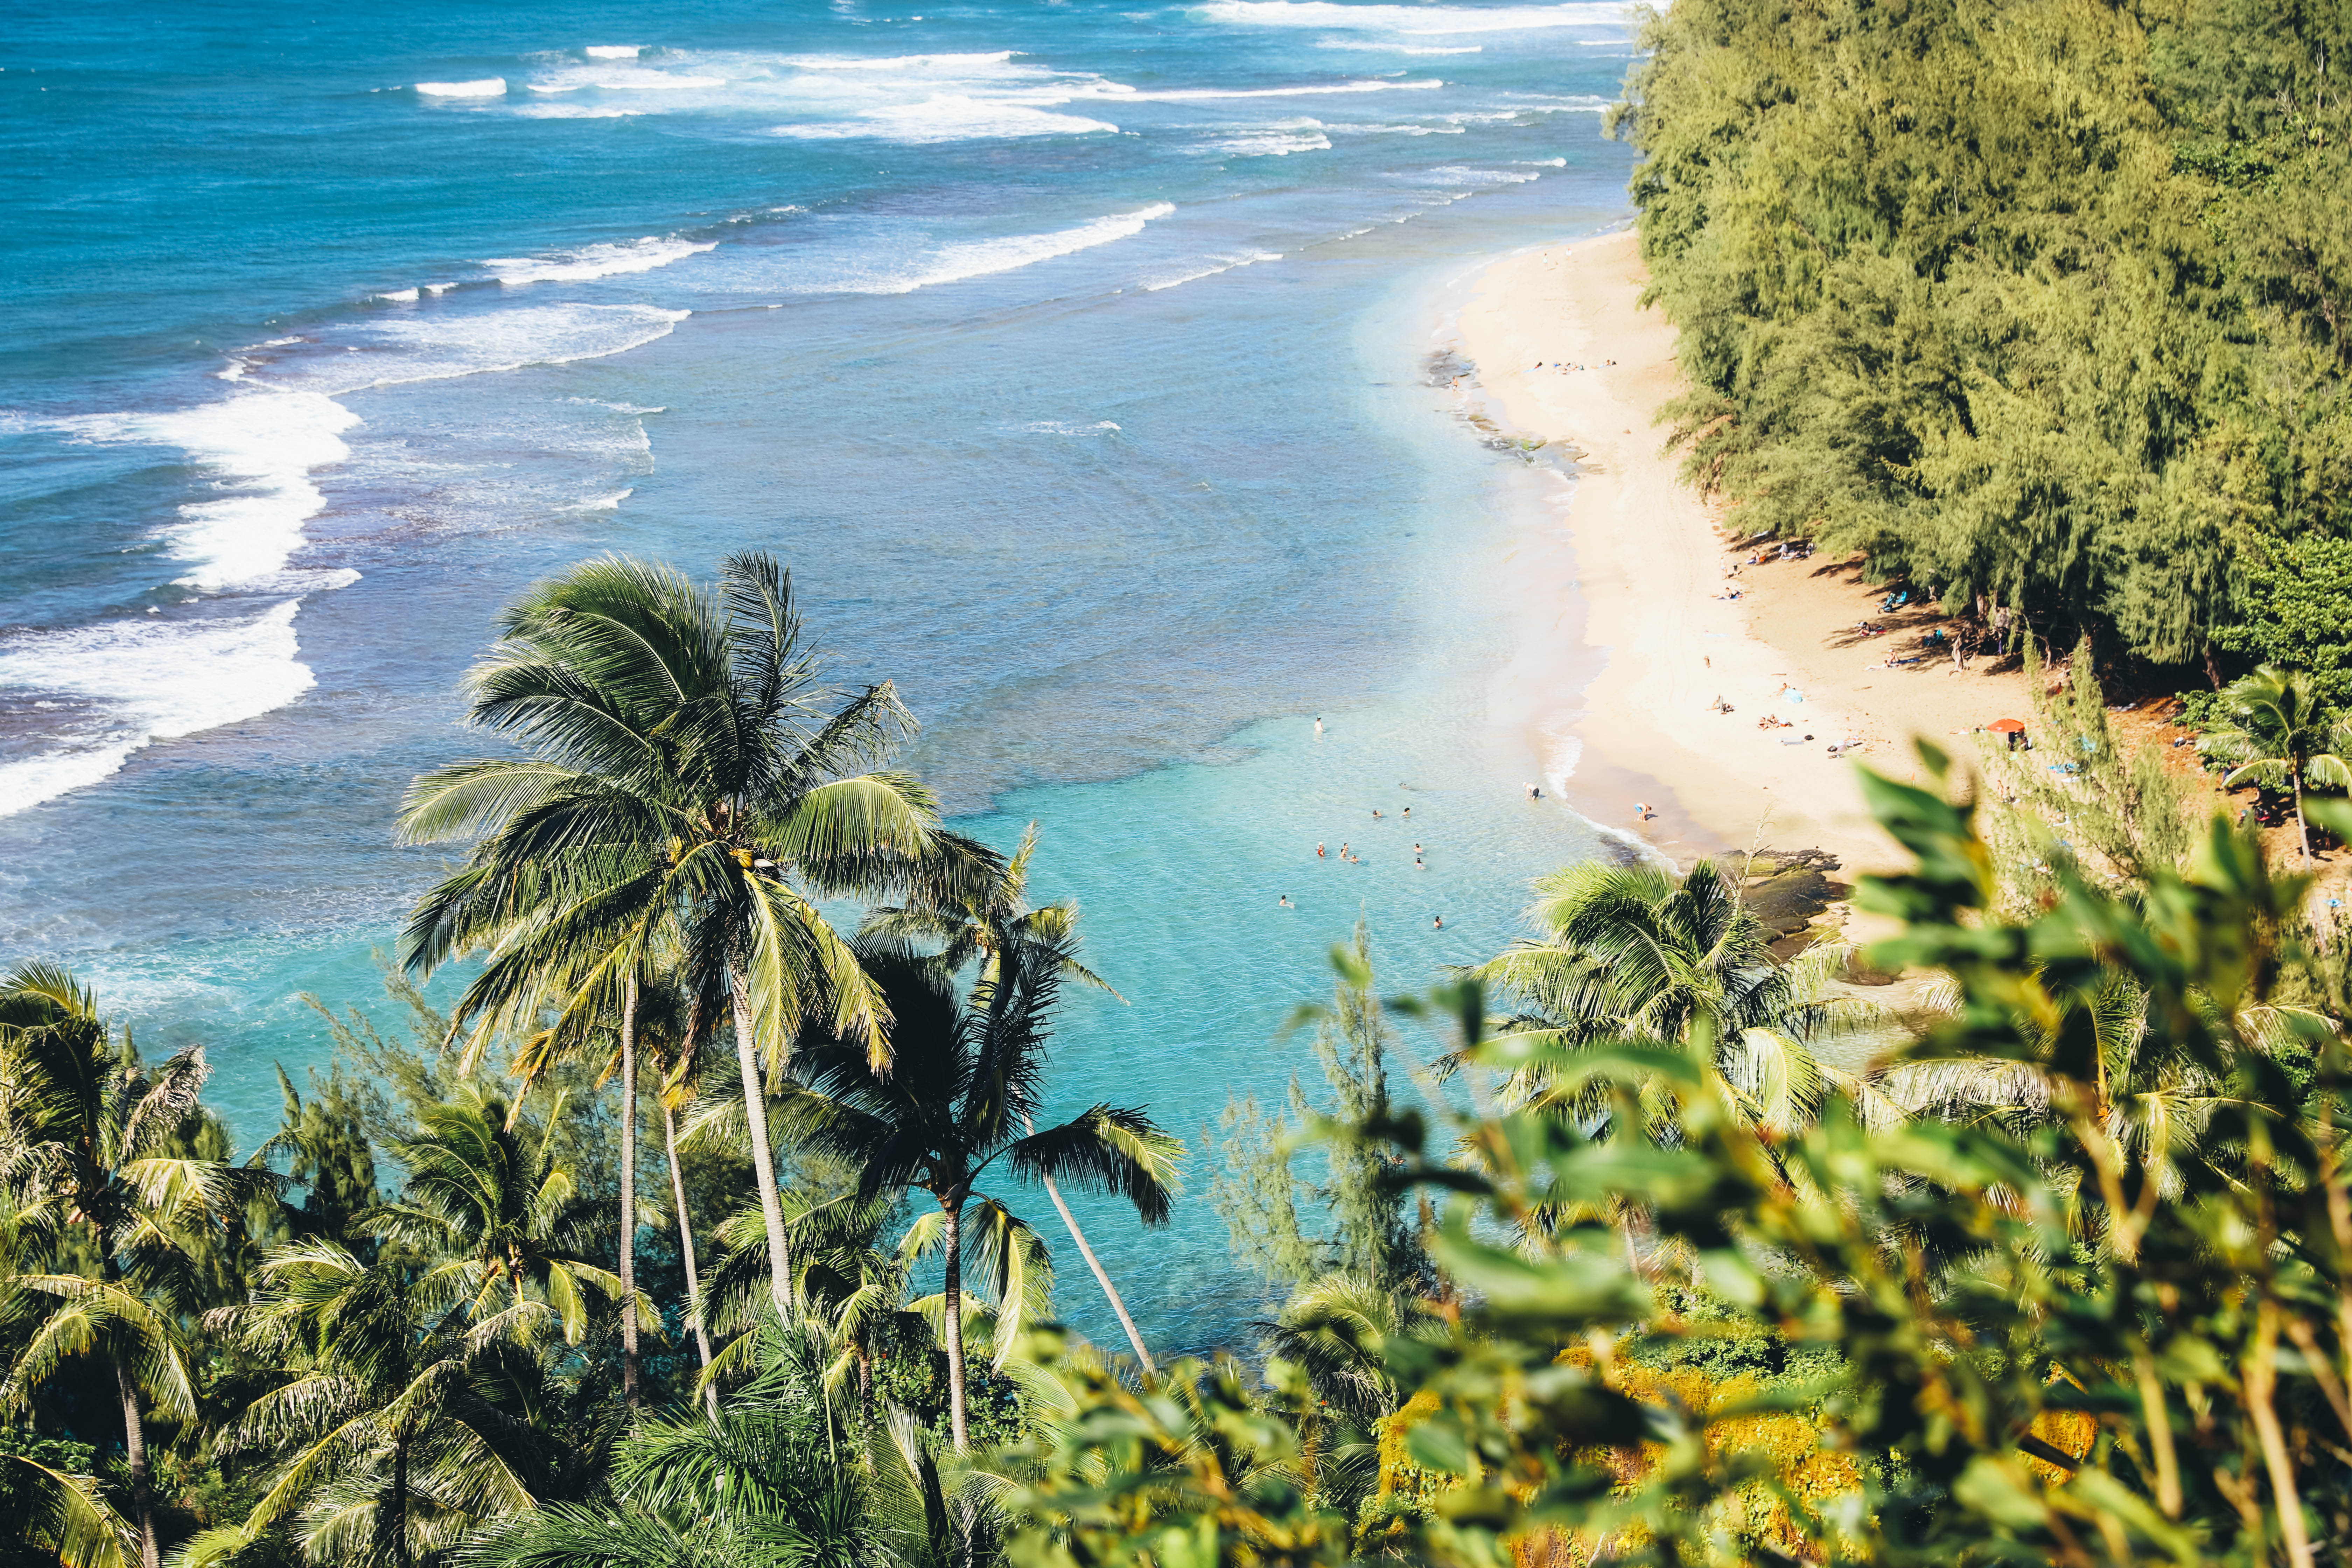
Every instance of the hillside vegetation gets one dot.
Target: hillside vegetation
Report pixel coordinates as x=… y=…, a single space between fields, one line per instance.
x=2043 y=306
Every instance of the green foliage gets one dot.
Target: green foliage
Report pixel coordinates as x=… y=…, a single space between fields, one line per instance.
x=50 y=1508
x=2080 y=798
x=2297 y=589
x=2272 y=729
x=772 y=1480
x=2028 y=1346
x=2042 y=307
x=914 y=1377
x=1260 y=1195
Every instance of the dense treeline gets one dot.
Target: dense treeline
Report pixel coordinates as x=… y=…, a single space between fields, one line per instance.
x=2046 y=306
x=1637 y=1243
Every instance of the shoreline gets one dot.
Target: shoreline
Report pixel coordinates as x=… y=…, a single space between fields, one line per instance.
x=1652 y=558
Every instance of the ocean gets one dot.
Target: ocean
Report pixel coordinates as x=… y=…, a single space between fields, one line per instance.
x=1087 y=363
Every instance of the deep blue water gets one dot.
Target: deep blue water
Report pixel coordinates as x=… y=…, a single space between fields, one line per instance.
x=1077 y=358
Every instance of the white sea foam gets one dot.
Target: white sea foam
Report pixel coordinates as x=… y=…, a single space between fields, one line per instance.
x=1365 y=44
x=400 y=296
x=978 y=258
x=1200 y=94
x=1423 y=20
x=576 y=111
x=488 y=86
x=1455 y=174
x=1223 y=264
x=257 y=450
x=1342 y=128
x=613 y=51
x=144 y=680
x=1277 y=139
x=1060 y=428
x=394 y=350
x=596 y=260
x=898 y=62
x=954 y=118
x=624 y=80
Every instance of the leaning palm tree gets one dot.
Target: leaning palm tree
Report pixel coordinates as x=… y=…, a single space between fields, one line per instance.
x=88 y=1147
x=495 y=1205
x=966 y=1080
x=2275 y=730
x=385 y=1446
x=977 y=924
x=1636 y=952
x=687 y=777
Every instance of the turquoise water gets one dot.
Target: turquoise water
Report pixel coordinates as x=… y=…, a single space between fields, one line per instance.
x=1078 y=359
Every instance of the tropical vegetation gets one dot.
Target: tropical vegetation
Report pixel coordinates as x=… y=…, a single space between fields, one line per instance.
x=1654 y=1238
x=2042 y=307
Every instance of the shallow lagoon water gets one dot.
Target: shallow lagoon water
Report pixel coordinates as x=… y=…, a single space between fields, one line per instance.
x=1117 y=448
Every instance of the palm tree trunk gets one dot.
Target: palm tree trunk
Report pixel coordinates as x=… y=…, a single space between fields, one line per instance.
x=763 y=1160
x=135 y=1453
x=1102 y=1277
x=685 y=1235
x=952 y=1309
x=629 y=1194
x=400 y=1501
x=2294 y=775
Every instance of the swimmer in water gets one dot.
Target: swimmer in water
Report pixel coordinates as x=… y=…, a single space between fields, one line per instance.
x=1319 y=723
x=1287 y=903
x=1376 y=814
x=1318 y=852
x=1437 y=922
x=1345 y=854
x=1416 y=848
x=1408 y=811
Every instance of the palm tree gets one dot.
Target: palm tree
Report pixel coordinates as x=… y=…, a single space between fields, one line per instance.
x=500 y=1211
x=1635 y=953
x=2275 y=730
x=90 y=1136
x=979 y=925
x=770 y=1479
x=64 y=1516
x=967 y=1077
x=688 y=779
x=387 y=1444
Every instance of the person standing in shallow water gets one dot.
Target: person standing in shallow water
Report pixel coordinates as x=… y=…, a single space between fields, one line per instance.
x=1437 y=922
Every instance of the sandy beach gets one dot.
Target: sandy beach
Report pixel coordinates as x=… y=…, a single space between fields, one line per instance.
x=1565 y=354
